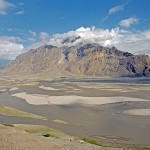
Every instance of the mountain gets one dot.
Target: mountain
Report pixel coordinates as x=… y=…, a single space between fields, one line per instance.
x=4 y=62
x=79 y=60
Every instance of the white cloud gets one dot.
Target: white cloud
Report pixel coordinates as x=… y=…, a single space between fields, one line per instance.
x=9 y=48
x=104 y=18
x=35 y=45
x=33 y=36
x=128 y=22
x=21 y=12
x=119 y=8
x=116 y=9
x=4 y=6
x=125 y=40
x=85 y=35
x=9 y=29
x=44 y=36
x=21 y=4
x=132 y=41
x=135 y=42
x=10 y=39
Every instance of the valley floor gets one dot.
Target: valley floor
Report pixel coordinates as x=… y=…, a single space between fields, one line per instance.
x=101 y=112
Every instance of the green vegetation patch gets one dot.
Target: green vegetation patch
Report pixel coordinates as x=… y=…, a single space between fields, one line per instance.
x=6 y=124
x=50 y=135
x=90 y=141
x=142 y=148
x=98 y=144
x=7 y=111
x=46 y=135
x=64 y=123
x=40 y=130
x=113 y=146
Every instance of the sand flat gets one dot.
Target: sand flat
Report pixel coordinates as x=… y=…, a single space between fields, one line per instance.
x=138 y=112
x=14 y=89
x=3 y=90
x=48 y=88
x=37 y=99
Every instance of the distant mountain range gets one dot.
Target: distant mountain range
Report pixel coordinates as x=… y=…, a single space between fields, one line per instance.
x=81 y=59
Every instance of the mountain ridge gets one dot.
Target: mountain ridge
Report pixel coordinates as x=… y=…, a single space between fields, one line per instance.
x=87 y=59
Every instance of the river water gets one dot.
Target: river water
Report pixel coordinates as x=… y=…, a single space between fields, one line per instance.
x=105 y=121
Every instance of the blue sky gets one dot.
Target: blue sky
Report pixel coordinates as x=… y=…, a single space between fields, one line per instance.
x=26 y=22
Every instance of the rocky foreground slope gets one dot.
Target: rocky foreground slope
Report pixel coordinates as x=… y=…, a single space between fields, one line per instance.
x=79 y=60
x=15 y=139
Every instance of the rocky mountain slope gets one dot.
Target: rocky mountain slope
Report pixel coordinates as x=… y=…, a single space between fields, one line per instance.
x=82 y=60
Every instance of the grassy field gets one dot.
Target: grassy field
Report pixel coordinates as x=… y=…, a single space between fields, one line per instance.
x=7 y=111
x=94 y=142
x=40 y=130
x=49 y=132
x=7 y=125
x=142 y=148
x=104 y=145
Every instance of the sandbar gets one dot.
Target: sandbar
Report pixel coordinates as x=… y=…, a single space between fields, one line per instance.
x=14 y=89
x=138 y=112
x=47 y=88
x=37 y=99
